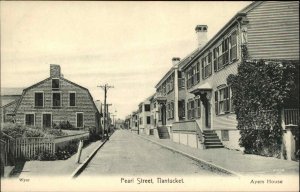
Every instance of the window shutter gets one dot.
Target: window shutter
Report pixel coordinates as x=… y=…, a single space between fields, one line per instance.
x=216 y=103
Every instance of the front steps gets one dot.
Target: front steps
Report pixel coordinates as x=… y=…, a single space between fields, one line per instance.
x=211 y=140
x=163 y=132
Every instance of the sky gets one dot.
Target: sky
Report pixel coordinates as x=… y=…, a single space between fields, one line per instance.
x=129 y=45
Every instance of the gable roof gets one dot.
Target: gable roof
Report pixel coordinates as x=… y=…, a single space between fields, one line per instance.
x=41 y=82
x=234 y=19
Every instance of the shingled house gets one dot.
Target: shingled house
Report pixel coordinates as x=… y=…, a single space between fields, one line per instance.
x=55 y=100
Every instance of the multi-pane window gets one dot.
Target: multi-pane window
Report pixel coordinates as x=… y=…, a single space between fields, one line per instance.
x=198 y=107
x=191 y=109
x=79 y=120
x=56 y=99
x=55 y=83
x=30 y=119
x=193 y=76
x=226 y=52
x=47 y=120
x=222 y=101
x=72 y=99
x=207 y=66
x=148 y=120
x=147 y=107
x=39 y=99
x=233 y=46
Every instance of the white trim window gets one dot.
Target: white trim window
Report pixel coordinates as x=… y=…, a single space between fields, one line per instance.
x=39 y=99
x=29 y=119
x=233 y=46
x=72 y=98
x=206 y=66
x=56 y=99
x=46 y=120
x=79 y=120
x=222 y=101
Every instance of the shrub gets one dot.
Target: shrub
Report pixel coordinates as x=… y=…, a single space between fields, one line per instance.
x=33 y=133
x=55 y=132
x=67 y=151
x=45 y=156
x=13 y=130
x=269 y=85
x=64 y=125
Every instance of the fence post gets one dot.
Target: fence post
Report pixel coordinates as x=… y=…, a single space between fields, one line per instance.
x=79 y=151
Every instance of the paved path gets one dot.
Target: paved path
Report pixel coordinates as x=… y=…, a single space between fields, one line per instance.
x=234 y=161
x=128 y=154
x=58 y=167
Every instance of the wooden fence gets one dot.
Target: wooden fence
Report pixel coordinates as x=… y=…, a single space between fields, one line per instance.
x=291 y=117
x=31 y=146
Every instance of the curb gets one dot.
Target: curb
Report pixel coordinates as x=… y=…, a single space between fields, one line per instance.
x=82 y=166
x=214 y=166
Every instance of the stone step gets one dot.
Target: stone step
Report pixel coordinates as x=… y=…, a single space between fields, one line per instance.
x=213 y=146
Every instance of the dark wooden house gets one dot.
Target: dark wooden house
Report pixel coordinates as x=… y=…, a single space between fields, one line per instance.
x=55 y=100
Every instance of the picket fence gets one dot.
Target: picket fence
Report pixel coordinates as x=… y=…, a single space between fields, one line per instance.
x=31 y=146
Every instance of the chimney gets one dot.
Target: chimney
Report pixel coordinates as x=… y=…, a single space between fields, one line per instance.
x=175 y=60
x=201 y=31
x=54 y=70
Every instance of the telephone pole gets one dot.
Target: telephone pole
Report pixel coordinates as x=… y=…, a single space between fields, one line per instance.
x=105 y=88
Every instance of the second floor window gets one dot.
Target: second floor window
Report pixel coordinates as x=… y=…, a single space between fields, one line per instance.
x=39 y=99
x=206 y=66
x=72 y=97
x=56 y=100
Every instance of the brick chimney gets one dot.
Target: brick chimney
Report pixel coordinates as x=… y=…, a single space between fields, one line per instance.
x=175 y=60
x=201 y=31
x=54 y=70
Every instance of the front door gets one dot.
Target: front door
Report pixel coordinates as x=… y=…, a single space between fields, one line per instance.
x=47 y=120
x=207 y=110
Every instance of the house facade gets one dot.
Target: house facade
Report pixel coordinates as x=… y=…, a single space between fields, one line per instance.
x=269 y=30
x=54 y=100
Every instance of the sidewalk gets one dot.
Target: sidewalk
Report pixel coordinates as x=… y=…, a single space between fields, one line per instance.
x=231 y=161
x=58 y=167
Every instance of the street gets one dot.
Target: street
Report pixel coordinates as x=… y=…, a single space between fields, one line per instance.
x=128 y=154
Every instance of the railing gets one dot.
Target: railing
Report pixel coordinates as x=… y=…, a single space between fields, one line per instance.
x=291 y=117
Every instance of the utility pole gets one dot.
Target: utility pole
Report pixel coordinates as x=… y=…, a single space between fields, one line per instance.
x=105 y=88
x=113 y=115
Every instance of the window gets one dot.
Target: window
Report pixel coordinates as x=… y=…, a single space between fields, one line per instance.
x=181 y=109
x=79 y=120
x=191 y=109
x=72 y=99
x=39 y=99
x=198 y=107
x=233 y=47
x=226 y=52
x=207 y=66
x=141 y=120
x=30 y=119
x=147 y=107
x=224 y=135
x=148 y=120
x=193 y=75
x=47 y=120
x=172 y=110
x=55 y=83
x=222 y=101
x=56 y=100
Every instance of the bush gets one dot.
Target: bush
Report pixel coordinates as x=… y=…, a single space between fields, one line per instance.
x=258 y=105
x=67 y=151
x=64 y=125
x=55 y=132
x=33 y=133
x=13 y=130
x=45 y=156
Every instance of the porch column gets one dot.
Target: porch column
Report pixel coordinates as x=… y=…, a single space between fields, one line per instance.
x=176 y=93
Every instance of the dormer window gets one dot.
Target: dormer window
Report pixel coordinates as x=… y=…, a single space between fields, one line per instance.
x=55 y=83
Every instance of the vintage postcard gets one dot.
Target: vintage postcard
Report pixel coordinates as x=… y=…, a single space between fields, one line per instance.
x=149 y=96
